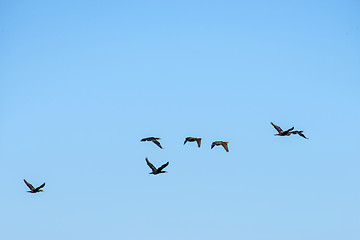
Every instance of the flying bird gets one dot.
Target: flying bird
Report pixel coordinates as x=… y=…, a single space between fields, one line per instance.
x=156 y=170
x=299 y=133
x=192 y=139
x=32 y=189
x=218 y=143
x=281 y=132
x=152 y=139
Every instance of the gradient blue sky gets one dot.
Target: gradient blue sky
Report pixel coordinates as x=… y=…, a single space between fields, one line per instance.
x=81 y=82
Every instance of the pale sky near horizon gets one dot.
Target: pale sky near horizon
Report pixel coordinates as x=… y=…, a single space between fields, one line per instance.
x=81 y=82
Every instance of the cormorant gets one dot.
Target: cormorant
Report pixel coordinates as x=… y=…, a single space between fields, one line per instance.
x=152 y=139
x=192 y=139
x=154 y=169
x=32 y=189
x=217 y=143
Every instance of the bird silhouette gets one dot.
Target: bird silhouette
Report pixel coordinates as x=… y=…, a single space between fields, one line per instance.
x=32 y=189
x=152 y=139
x=218 y=143
x=192 y=139
x=154 y=169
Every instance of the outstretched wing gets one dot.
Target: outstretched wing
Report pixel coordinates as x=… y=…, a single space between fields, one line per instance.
x=29 y=185
x=225 y=146
x=198 y=140
x=157 y=143
x=38 y=188
x=287 y=131
x=163 y=166
x=277 y=128
x=150 y=165
x=300 y=133
x=186 y=139
x=212 y=145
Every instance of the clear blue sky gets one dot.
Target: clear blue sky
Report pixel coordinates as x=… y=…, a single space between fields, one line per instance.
x=81 y=82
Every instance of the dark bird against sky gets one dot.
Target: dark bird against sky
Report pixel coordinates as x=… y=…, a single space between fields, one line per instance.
x=154 y=169
x=152 y=139
x=288 y=132
x=218 y=143
x=32 y=189
x=192 y=139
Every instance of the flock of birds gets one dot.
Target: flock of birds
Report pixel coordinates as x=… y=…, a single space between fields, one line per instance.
x=158 y=170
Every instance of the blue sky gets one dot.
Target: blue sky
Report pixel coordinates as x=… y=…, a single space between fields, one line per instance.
x=81 y=82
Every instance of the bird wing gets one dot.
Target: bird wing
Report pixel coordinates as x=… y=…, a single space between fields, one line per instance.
x=290 y=129
x=186 y=139
x=150 y=165
x=212 y=145
x=300 y=133
x=198 y=140
x=29 y=185
x=225 y=146
x=157 y=143
x=163 y=166
x=277 y=128
x=38 y=188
